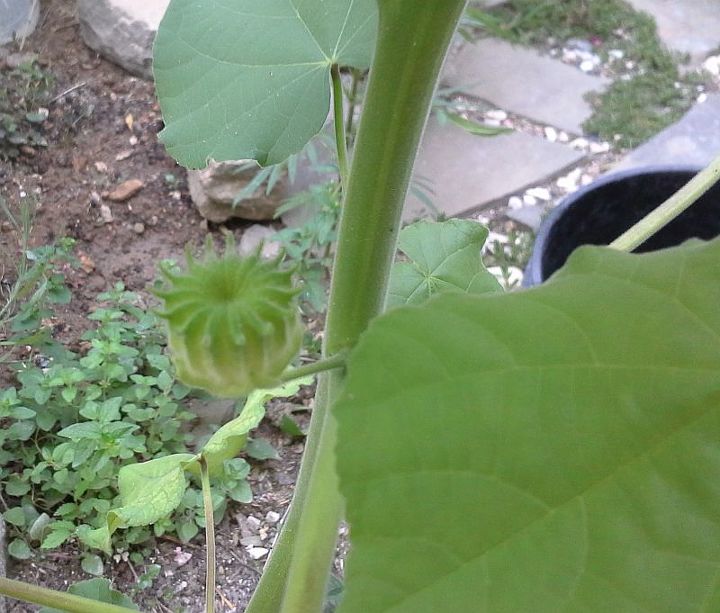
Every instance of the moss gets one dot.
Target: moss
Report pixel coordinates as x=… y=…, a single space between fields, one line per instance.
x=629 y=111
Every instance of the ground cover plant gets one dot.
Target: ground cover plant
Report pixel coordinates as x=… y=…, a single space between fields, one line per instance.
x=631 y=110
x=549 y=449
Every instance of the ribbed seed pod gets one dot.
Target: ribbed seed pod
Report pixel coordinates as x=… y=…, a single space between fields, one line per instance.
x=233 y=325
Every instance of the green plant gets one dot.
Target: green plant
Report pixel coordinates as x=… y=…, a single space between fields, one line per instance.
x=76 y=419
x=629 y=111
x=23 y=92
x=545 y=450
x=28 y=288
x=309 y=246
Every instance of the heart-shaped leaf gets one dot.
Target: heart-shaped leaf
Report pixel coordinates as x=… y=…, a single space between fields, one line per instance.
x=239 y=79
x=443 y=257
x=548 y=450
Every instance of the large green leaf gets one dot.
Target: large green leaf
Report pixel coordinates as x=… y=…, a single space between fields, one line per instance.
x=442 y=257
x=556 y=449
x=243 y=79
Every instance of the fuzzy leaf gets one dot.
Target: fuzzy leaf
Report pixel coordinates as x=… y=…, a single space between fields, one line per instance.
x=443 y=257
x=240 y=79
x=149 y=492
x=546 y=450
x=97 y=589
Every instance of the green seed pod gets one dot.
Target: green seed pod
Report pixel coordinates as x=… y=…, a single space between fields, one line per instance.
x=233 y=325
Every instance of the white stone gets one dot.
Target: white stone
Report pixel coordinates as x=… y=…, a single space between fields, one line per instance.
x=497 y=114
x=529 y=200
x=272 y=517
x=257 y=553
x=580 y=143
x=122 y=30
x=569 y=182
x=603 y=147
x=550 y=133
x=515 y=202
x=541 y=193
x=616 y=54
x=712 y=65
x=587 y=65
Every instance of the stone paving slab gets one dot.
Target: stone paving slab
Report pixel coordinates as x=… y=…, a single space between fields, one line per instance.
x=520 y=80
x=123 y=31
x=18 y=18
x=469 y=171
x=694 y=140
x=687 y=26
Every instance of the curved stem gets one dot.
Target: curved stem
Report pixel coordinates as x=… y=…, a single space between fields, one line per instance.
x=334 y=361
x=670 y=209
x=209 y=537
x=54 y=599
x=339 y=122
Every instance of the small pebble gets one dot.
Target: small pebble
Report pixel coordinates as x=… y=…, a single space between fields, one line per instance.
x=563 y=137
x=272 y=517
x=712 y=65
x=541 y=193
x=586 y=180
x=106 y=213
x=529 y=200
x=550 y=133
x=101 y=167
x=497 y=114
x=257 y=553
x=580 y=143
x=702 y=98
x=138 y=228
x=587 y=65
x=515 y=202
x=133 y=140
x=599 y=147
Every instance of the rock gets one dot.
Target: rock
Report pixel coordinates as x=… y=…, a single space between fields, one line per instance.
x=126 y=190
x=18 y=19
x=106 y=214
x=529 y=216
x=214 y=189
x=256 y=235
x=123 y=31
x=522 y=81
x=515 y=202
x=257 y=553
x=138 y=228
x=541 y=193
x=692 y=141
x=686 y=26
x=272 y=517
x=467 y=172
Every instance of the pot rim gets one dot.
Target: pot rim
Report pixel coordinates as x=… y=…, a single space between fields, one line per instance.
x=533 y=271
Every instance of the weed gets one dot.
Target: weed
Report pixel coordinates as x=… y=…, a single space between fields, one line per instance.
x=23 y=92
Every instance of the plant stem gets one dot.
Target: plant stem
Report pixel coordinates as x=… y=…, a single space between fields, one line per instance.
x=412 y=42
x=57 y=600
x=352 y=99
x=661 y=216
x=209 y=537
x=334 y=361
x=340 y=138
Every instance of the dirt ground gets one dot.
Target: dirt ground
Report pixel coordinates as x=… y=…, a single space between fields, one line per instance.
x=94 y=146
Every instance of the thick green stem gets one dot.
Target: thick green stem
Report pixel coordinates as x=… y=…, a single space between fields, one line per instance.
x=56 y=600
x=339 y=122
x=412 y=42
x=670 y=209
x=209 y=537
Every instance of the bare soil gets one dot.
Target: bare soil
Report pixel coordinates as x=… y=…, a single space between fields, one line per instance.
x=101 y=131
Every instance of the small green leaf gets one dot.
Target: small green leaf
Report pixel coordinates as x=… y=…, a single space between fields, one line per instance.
x=39 y=527
x=15 y=516
x=19 y=550
x=261 y=449
x=96 y=539
x=97 y=589
x=289 y=426
x=227 y=442
x=16 y=487
x=92 y=564
x=56 y=538
x=186 y=530
x=85 y=430
x=241 y=492
x=443 y=257
x=261 y=99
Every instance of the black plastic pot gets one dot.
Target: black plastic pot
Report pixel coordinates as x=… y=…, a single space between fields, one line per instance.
x=600 y=212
